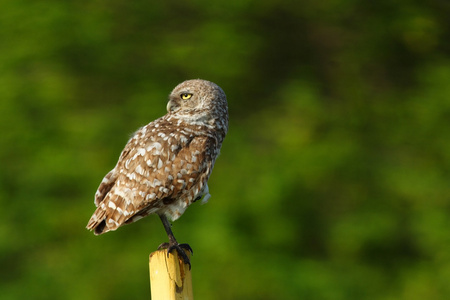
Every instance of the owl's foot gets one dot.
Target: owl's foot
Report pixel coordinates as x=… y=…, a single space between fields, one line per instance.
x=180 y=250
x=173 y=244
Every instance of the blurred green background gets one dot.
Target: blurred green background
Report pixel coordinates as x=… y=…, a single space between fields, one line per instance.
x=334 y=179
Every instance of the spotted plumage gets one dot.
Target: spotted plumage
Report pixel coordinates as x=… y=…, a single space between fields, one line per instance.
x=166 y=165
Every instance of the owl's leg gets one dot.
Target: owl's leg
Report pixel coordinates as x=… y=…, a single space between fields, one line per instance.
x=173 y=244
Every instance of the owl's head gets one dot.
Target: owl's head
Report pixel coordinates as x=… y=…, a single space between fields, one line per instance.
x=197 y=96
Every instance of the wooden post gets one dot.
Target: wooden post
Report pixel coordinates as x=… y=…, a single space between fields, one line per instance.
x=170 y=278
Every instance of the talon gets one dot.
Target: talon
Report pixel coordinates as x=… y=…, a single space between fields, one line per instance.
x=179 y=248
x=186 y=247
x=173 y=244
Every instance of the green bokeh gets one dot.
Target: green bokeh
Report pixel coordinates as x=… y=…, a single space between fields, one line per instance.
x=333 y=182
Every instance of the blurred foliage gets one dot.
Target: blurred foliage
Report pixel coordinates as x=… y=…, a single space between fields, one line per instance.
x=334 y=179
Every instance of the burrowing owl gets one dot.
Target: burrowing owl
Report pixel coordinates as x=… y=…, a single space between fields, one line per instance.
x=165 y=166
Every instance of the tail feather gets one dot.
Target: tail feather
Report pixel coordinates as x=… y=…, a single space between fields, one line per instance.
x=97 y=221
x=111 y=213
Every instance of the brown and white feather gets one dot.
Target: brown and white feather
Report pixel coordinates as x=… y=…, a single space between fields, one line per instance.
x=165 y=166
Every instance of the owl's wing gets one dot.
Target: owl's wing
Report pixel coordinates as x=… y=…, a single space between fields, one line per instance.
x=150 y=175
x=180 y=175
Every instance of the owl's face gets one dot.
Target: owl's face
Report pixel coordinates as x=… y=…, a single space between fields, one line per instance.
x=195 y=95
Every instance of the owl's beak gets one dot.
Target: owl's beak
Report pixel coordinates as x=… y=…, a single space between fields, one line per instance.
x=171 y=105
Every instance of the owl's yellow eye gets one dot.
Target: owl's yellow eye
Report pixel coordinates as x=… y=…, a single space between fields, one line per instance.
x=186 y=96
